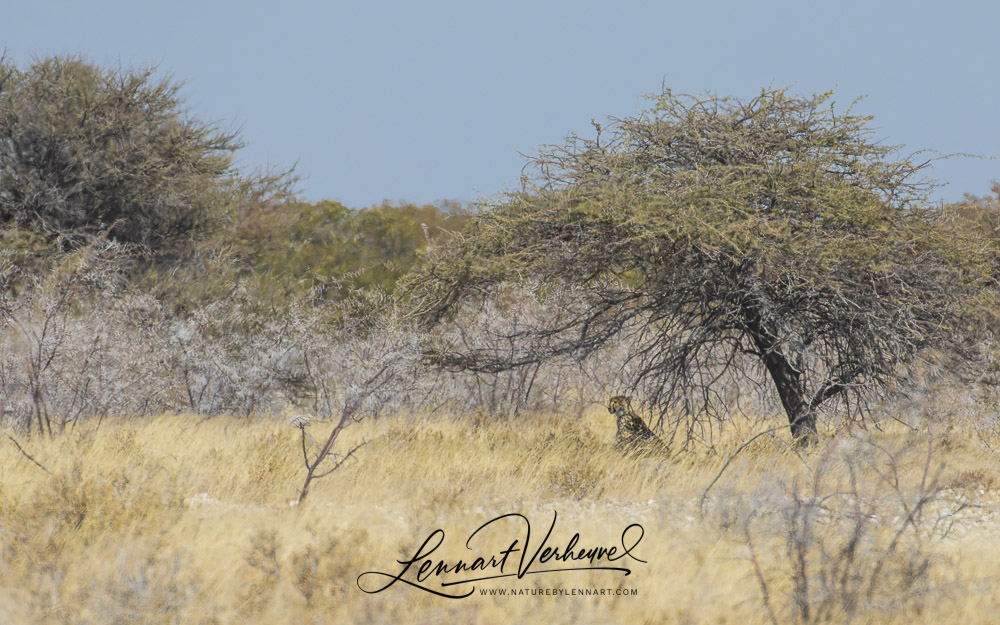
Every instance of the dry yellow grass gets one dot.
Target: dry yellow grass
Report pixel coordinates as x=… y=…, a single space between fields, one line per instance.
x=183 y=519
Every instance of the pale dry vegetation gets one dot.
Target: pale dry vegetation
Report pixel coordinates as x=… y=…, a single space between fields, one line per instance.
x=187 y=351
x=187 y=519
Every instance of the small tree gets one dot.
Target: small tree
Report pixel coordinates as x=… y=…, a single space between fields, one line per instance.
x=82 y=148
x=723 y=239
x=35 y=329
x=371 y=364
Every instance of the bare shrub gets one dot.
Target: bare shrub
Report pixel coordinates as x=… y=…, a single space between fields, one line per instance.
x=72 y=352
x=372 y=365
x=68 y=354
x=69 y=351
x=231 y=356
x=856 y=536
x=491 y=330
x=48 y=371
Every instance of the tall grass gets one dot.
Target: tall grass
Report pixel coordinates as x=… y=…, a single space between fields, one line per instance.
x=187 y=519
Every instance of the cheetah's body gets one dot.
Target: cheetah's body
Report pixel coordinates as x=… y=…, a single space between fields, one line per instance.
x=634 y=437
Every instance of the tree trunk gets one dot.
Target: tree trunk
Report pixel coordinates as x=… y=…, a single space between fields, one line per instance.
x=787 y=380
x=801 y=420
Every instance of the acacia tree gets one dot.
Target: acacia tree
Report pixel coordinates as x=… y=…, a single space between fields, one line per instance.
x=773 y=239
x=83 y=148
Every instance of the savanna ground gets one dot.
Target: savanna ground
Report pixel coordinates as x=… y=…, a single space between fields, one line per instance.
x=707 y=246
x=187 y=519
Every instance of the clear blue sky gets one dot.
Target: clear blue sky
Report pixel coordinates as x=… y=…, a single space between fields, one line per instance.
x=427 y=100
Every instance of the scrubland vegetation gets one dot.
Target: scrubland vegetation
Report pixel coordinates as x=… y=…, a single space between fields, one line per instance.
x=185 y=519
x=221 y=403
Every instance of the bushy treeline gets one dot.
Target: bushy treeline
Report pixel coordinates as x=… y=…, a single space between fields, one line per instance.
x=143 y=272
x=88 y=152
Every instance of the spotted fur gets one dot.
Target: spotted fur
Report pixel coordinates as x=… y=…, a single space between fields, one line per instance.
x=634 y=437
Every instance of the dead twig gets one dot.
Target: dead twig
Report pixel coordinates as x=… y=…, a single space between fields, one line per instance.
x=28 y=456
x=342 y=460
x=704 y=495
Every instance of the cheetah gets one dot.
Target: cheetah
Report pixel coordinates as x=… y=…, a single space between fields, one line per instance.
x=634 y=437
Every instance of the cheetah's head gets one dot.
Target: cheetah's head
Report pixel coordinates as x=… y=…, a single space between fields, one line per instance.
x=618 y=405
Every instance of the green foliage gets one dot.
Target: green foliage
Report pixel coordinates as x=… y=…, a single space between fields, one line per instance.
x=24 y=254
x=285 y=250
x=977 y=218
x=330 y=250
x=83 y=148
